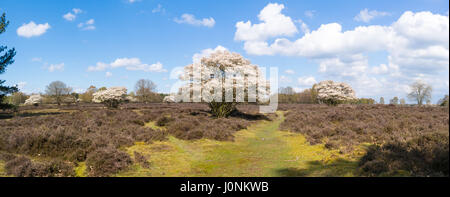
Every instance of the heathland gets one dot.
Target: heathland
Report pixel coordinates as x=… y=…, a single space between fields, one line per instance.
x=184 y=139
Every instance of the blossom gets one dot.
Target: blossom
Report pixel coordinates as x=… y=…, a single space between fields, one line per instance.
x=329 y=90
x=111 y=96
x=34 y=99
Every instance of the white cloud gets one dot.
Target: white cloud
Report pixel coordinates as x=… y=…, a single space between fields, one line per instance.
x=124 y=62
x=69 y=16
x=88 y=25
x=21 y=85
x=197 y=57
x=72 y=16
x=157 y=67
x=56 y=67
x=32 y=29
x=306 y=81
x=108 y=74
x=273 y=24
x=366 y=15
x=289 y=71
x=99 y=67
x=285 y=79
x=77 y=10
x=417 y=45
x=133 y=1
x=129 y=64
x=190 y=19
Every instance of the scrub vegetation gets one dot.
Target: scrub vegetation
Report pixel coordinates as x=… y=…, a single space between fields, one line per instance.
x=185 y=139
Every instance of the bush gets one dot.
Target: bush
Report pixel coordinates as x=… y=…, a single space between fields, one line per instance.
x=141 y=159
x=24 y=167
x=426 y=155
x=106 y=161
x=163 y=121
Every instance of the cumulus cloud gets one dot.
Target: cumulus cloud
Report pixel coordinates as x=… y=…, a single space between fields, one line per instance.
x=32 y=29
x=100 y=66
x=197 y=57
x=69 y=16
x=88 y=25
x=21 y=85
x=285 y=79
x=306 y=81
x=417 y=44
x=72 y=16
x=191 y=20
x=129 y=64
x=273 y=23
x=108 y=74
x=56 y=67
x=366 y=15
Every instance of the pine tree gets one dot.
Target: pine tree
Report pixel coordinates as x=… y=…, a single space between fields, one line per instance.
x=6 y=58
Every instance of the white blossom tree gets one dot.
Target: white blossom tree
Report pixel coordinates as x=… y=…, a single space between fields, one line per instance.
x=223 y=79
x=34 y=100
x=333 y=93
x=111 y=97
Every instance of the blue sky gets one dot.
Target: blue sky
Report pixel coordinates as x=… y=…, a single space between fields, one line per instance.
x=148 y=38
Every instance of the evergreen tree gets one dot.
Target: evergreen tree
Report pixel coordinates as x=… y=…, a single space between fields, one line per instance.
x=6 y=58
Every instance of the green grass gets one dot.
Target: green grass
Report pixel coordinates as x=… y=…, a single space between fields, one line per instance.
x=260 y=150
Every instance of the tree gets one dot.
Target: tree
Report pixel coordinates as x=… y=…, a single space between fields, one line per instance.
x=367 y=101
x=145 y=90
x=333 y=93
x=287 y=90
x=420 y=92
x=5 y=60
x=402 y=101
x=88 y=94
x=111 y=97
x=18 y=98
x=443 y=101
x=382 y=100
x=394 y=101
x=223 y=79
x=58 y=90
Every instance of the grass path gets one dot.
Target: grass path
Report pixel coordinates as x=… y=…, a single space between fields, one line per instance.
x=261 y=150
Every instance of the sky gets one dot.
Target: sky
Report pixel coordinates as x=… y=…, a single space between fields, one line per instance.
x=378 y=47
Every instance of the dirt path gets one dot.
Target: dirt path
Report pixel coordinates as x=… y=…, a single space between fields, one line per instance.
x=260 y=150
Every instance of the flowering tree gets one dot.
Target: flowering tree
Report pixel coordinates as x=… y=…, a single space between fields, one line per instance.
x=111 y=97
x=222 y=80
x=333 y=93
x=34 y=100
x=169 y=99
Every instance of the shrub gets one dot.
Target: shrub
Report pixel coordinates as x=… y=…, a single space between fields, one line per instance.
x=163 y=121
x=24 y=167
x=426 y=155
x=141 y=159
x=106 y=161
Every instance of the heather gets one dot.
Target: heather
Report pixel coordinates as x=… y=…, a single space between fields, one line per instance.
x=97 y=135
x=402 y=138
